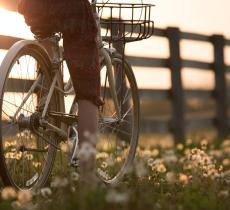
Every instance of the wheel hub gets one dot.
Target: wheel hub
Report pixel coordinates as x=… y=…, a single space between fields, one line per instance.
x=29 y=122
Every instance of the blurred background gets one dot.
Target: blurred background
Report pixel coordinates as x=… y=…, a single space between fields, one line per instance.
x=206 y=17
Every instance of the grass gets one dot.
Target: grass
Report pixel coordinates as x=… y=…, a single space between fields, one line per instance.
x=193 y=176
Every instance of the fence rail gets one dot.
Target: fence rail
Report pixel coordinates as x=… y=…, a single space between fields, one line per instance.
x=177 y=123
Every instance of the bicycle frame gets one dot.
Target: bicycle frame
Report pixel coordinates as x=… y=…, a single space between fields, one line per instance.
x=57 y=69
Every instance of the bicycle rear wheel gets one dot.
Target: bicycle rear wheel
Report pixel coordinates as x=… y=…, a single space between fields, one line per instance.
x=27 y=150
x=118 y=137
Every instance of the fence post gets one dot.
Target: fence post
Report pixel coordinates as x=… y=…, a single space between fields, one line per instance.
x=220 y=92
x=177 y=93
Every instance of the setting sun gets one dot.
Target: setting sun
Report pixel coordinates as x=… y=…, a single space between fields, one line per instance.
x=13 y=24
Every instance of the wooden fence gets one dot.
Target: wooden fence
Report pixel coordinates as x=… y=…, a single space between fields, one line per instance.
x=177 y=95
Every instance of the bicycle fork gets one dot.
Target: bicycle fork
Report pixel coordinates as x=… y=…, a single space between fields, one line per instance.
x=108 y=63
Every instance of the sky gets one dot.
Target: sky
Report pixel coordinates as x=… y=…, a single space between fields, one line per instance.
x=201 y=16
x=205 y=16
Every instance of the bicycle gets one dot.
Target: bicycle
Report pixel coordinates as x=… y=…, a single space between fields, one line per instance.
x=33 y=117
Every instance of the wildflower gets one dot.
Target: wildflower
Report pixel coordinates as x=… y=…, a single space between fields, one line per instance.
x=104 y=165
x=183 y=178
x=216 y=153
x=75 y=176
x=110 y=161
x=188 y=142
x=180 y=147
x=118 y=159
x=226 y=143
x=18 y=156
x=204 y=144
x=201 y=163
x=103 y=174
x=24 y=196
x=72 y=189
x=59 y=182
x=221 y=168
x=140 y=169
x=150 y=162
x=117 y=197
x=16 y=205
x=46 y=192
x=155 y=152
x=223 y=194
x=170 y=157
x=10 y=155
x=146 y=153
x=171 y=177
x=226 y=162
x=102 y=155
x=65 y=147
x=8 y=193
x=161 y=168
x=187 y=151
x=158 y=206
x=226 y=176
x=36 y=164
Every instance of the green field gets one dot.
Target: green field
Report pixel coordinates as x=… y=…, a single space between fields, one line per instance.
x=193 y=176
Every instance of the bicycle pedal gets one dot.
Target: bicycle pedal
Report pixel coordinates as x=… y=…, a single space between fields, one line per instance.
x=74 y=163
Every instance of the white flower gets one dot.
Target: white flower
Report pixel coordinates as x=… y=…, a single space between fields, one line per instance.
x=59 y=182
x=201 y=163
x=16 y=205
x=75 y=176
x=226 y=162
x=204 y=144
x=180 y=147
x=155 y=153
x=171 y=177
x=161 y=168
x=24 y=196
x=223 y=194
x=188 y=142
x=102 y=155
x=103 y=174
x=65 y=147
x=8 y=193
x=46 y=192
x=104 y=165
x=184 y=179
x=140 y=169
x=150 y=162
x=169 y=157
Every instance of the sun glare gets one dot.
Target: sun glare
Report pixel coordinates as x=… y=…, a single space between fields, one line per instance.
x=13 y=24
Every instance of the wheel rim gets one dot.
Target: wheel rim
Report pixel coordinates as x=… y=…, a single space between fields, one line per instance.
x=23 y=153
x=118 y=136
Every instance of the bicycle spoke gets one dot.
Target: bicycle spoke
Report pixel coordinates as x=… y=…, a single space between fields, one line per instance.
x=18 y=106
x=28 y=158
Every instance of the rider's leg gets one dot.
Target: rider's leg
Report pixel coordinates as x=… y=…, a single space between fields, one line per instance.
x=87 y=131
x=83 y=62
x=88 y=121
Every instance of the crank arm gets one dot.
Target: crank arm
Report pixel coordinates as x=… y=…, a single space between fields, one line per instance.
x=26 y=149
x=68 y=119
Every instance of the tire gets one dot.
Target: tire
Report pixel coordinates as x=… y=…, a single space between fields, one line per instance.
x=118 y=138
x=26 y=160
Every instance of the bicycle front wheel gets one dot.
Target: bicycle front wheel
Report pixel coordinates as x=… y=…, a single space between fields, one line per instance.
x=118 y=128
x=27 y=150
